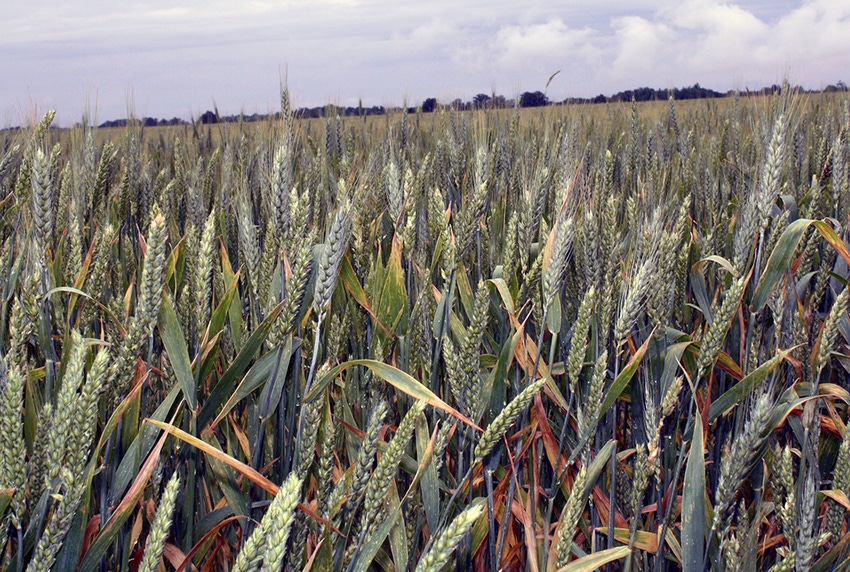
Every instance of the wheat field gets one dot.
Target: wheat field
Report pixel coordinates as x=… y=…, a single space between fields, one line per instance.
x=566 y=339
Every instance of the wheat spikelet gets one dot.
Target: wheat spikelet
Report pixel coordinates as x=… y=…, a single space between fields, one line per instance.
x=635 y=300
x=202 y=278
x=269 y=259
x=97 y=279
x=737 y=462
x=588 y=413
x=331 y=258
x=569 y=518
x=366 y=454
x=160 y=527
x=311 y=415
x=471 y=217
x=296 y=286
x=65 y=407
x=281 y=514
x=326 y=463
x=840 y=482
x=785 y=493
x=249 y=244
x=578 y=346
x=147 y=309
x=491 y=436
x=42 y=200
x=151 y=282
x=446 y=543
x=807 y=538
x=712 y=342
x=267 y=544
x=309 y=424
x=85 y=420
x=7 y=159
x=57 y=527
x=394 y=190
x=640 y=474
x=74 y=260
x=829 y=336
x=379 y=484
x=443 y=435
x=13 y=459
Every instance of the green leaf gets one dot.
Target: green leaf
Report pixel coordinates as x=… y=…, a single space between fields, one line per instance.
x=778 y=262
x=832 y=555
x=5 y=499
x=323 y=556
x=440 y=314
x=91 y=300
x=504 y=292
x=596 y=560
x=270 y=396
x=430 y=483
x=700 y=291
x=613 y=394
x=257 y=376
x=495 y=386
x=624 y=378
x=595 y=468
x=720 y=261
x=248 y=472
x=225 y=386
x=37 y=516
x=231 y=279
x=693 y=503
x=349 y=280
x=672 y=359
x=464 y=289
x=740 y=390
x=226 y=480
x=833 y=239
x=388 y=292
x=216 y=325
x=398 y=535
x=141 y=446
x=553 y=316
x=395 y=377
x=370 y=549
x=646 y=541
x=178 y=354
x=122 y=512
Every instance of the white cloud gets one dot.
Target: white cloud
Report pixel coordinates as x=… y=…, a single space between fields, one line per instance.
x=182 y=55
x=718 y=43
x=642 y=49
x=818 y=29
x=521 y=47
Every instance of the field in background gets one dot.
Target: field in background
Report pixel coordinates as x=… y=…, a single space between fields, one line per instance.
x=549 y=339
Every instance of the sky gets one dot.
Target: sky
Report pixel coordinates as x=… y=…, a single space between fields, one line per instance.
x=180 y=58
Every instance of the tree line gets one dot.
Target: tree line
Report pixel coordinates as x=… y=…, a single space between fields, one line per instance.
x=480 y=101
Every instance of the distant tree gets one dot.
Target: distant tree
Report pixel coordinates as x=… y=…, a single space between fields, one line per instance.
x=429 y=105
x=481 y=100
x=208 y=117
x=840 y=86
x=533 y=99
